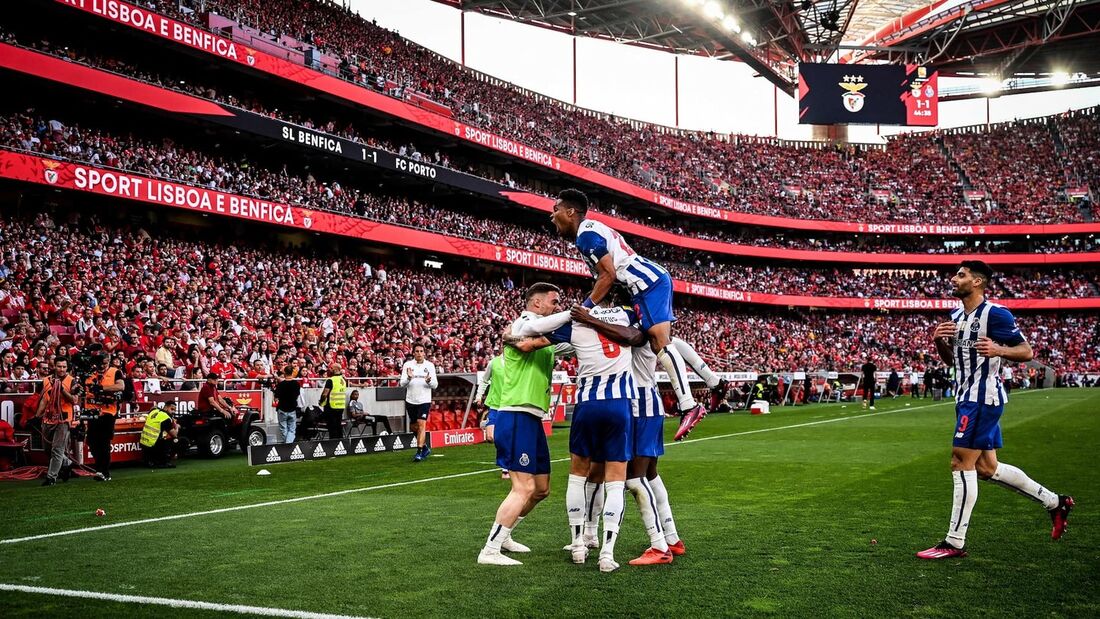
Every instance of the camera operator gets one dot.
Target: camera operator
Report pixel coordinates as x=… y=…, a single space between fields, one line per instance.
x=103 y=393
x=55 y=408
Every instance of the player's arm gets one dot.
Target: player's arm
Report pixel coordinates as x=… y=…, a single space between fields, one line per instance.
x=626 y=336
x=540 y=326
x=483 y=383
x=531 y=344
x=605 y=279
x=942 y=338
x=1006 y=342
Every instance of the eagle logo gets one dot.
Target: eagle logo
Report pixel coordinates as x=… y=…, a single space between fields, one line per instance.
x=853 y=98
x=50 y=173
x=307 y=218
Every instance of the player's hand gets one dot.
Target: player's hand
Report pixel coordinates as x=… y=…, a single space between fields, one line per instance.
x=988 y=348
x=580 y=314
x=428 y=378
x=945 y=330
x=409 y=371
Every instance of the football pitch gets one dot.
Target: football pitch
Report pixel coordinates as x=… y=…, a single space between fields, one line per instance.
x=810 y=511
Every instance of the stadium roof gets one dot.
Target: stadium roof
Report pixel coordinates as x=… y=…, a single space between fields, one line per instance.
x=1000 y=37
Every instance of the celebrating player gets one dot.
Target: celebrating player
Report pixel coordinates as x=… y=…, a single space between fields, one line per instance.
x=643 y=480
x=520 y=441
x=601 y=428
x=975 y=340
x=611 y=259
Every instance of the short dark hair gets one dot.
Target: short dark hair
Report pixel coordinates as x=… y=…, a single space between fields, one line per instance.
x=979 y=267
x=575 y=198
x=540 y=288
x=419 y=345
x=288 y=370
x=212 y=375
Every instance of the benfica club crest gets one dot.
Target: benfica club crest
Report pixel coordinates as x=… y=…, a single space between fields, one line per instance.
x=500 y=252
x=250 y=56
x=307 y=218
x=50 y=173
x=853 y=98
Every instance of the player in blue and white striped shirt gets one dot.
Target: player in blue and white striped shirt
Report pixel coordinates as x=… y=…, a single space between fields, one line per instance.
x=974 y=341
x=600 y=432
x=611 y=259
x=643 y=480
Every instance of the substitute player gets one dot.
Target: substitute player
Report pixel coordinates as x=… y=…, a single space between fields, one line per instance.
x=643 y=481
x=520 y=440
x=601 y=427
x=611 y=258
x=975 y=340
x=488 y=393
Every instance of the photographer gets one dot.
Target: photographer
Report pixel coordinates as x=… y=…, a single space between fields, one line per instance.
x=55 y=408
x=103 y=392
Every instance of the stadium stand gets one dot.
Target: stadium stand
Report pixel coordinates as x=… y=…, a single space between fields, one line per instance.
x=742 y=173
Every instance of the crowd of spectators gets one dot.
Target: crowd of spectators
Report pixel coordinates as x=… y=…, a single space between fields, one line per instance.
x=875 y=160
x=737 y=172
x=171 y=310
x=168 y=160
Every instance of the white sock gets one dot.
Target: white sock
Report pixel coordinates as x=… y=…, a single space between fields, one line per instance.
x=574 y=506
x=593 y=504
x=515 y=526
x=664 y=511
x=676 y=368
x=1014 y=479
x=696 y=362
x=966 y=494
x=612 y=516
x=647 y=505
x=497 y=535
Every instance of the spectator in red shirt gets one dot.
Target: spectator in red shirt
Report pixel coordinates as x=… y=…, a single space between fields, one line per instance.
x=210 y=399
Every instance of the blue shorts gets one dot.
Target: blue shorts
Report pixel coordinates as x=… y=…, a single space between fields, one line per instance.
x=521 y=443
x=654 y=304
x=649 y=437
x=978 y=426
x=491 y=417
x=601 y=430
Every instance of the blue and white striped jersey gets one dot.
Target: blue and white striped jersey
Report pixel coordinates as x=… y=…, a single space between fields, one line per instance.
x=649 y=403
x=605 y=371
x=978 y=378
x=596 y=240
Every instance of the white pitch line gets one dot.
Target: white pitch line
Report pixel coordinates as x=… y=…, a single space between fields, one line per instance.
x=141 y=599
x=30 y=538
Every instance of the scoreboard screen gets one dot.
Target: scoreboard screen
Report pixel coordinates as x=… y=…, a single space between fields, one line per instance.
x=833 y=94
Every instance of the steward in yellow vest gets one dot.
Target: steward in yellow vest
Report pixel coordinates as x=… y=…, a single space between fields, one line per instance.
x=158 y=437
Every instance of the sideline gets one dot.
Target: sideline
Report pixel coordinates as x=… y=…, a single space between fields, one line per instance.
x=224 y=510
x=173 y=603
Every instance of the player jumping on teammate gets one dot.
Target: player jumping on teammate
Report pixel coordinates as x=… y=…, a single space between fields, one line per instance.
x=975 y=340
x=610 y=258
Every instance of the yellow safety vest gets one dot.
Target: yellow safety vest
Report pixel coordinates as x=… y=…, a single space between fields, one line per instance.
x=337 y=398
x=151 y=432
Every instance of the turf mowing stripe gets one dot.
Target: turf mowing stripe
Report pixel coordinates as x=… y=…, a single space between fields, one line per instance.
x=141 y=599
x=30 y=538
x=223 y=510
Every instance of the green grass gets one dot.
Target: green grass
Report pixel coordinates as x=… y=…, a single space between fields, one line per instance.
x=776 y=523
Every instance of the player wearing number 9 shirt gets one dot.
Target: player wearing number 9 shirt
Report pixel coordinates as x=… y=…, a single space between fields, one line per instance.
x=977 y=337
x=601 y=430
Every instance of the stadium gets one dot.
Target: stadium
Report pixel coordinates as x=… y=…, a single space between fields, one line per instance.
x=306 y=305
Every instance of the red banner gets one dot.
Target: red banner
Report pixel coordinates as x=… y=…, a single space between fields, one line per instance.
x=78 y=177
x=229 y=50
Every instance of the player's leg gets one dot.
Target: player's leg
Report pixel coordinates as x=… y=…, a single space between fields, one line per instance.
x=664 y=510
x=594 y=499
x=718 y=386
x=422 y=430
x=1008 y=476
x=615 y=450
x=647 y=430
x=512 y=445
x=965 y=451
x=576 y=505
